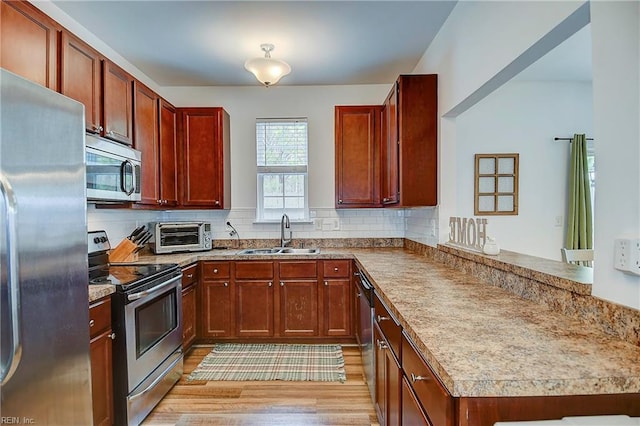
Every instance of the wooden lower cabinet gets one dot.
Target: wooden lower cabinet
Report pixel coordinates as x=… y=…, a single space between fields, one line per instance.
x=275 y=300
x=101 y=350
x=388 y=382
x=412 y=414
x=189 y=305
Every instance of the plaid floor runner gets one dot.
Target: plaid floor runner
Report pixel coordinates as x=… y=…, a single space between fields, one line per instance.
x=230 y=361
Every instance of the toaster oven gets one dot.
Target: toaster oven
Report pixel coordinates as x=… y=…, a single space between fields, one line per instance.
x=174 y=237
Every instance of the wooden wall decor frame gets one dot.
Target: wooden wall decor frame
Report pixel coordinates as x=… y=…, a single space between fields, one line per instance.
x=496 y=184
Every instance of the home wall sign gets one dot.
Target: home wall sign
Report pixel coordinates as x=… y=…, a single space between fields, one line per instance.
x=468 y=232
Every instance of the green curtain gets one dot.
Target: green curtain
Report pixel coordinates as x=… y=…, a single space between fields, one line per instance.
x=579 y=220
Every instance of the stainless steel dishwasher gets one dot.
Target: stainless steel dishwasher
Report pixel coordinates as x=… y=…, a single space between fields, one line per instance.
x=364 y=331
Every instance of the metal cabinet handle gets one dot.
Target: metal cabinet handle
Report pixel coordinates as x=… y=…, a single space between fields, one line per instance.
x=270 y=283
x=189 y=275
x=358 y=294
x=92 y=323
x=339 y=201
x=215 y=271
x=335 y=269
x=13 y=285
x=281 y=284
x=326 y=283
x=226 y=284
x=415 y=378
x=112 y=336
x=381 y=318
x=381 y=344
x=217 y=203
x=110 y=133
x=384 y=200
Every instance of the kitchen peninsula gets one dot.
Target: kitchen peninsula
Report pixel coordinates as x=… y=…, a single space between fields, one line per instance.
x=486 y=345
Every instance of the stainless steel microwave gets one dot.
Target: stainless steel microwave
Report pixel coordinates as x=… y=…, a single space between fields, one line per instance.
x=173 y=237
x=113 y=171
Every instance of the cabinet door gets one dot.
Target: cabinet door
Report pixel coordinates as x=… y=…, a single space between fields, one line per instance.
x=298 y=308
x=388 y=382
x=218 y=309
x=29 y=43
x=254 y=304
x=390 y=149
x=204 y=138
x=145 y=103
x=117 y=103
x=168 y=149
x=81 y=79
x=336 y=300
x=101 y=379
x=357 y=142
x=189 y=303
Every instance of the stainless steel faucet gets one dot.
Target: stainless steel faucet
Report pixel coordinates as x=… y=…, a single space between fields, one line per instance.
x=284 y=224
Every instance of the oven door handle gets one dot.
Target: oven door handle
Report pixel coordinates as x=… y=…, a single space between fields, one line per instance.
x=136 y=296
x=158 y=379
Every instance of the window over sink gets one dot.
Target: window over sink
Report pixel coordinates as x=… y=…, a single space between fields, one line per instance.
x=282 y=178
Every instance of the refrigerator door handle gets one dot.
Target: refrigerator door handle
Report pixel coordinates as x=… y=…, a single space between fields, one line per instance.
x=13 y=289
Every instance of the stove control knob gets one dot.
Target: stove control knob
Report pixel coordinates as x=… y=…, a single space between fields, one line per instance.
x=103 y=239
x=96 y=240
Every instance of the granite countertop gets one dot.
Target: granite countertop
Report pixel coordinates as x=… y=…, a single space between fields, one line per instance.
x=480 y=340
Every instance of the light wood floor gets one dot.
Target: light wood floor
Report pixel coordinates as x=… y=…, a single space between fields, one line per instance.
x=267 y=402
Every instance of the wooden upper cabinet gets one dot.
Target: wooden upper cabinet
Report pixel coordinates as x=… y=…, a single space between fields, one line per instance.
x=416 y=116
x=146 y=117
x=117 y=103
x=205 y=165
x=29 y=43
x=357 y=139
x=168 y=150
x=81 y=78
x=390 y=149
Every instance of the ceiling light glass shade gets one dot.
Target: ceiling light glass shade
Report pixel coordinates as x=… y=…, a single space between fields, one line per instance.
x=267 y=70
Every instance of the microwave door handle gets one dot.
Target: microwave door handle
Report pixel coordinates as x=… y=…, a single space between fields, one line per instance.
x=13 y=288
x=123 y=180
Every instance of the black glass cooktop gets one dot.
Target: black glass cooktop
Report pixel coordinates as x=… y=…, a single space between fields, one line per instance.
x=126 y=276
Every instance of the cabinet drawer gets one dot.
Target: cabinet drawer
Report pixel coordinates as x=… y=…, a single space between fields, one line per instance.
x=189 y=275
x=100 y=316
x=215 y=270
x=254 y=270
x=298 y=269
x=336 y=268
x=433 y=397
x=389 y=326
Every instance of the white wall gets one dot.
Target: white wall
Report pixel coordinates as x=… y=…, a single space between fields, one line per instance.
x=523 y=117
x=481 y=39
x=615 y=28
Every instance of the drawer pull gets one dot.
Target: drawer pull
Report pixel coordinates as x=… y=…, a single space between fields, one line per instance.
x=381 y=344
x=92 y=323
x=335 y=269
x=189 y=275
x=381 y=318
x=358 y=294
x=326 y=283
x=270 y=283
x=215 y=271
x=415 y=378
x=112 y=336
x=226 y=284
x=281 y=284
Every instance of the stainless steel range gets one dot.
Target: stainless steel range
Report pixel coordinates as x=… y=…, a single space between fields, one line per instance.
x=147 y=321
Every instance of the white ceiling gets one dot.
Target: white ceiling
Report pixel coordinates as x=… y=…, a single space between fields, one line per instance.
x=205 y=43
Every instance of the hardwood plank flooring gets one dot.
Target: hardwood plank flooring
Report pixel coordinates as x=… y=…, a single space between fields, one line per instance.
x=272 y=403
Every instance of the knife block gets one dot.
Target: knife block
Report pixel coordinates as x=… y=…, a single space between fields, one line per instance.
x=124 y=252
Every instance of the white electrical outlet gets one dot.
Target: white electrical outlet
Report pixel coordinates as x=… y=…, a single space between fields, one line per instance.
x=627 y=255
x=634 y=258
x=621 y=254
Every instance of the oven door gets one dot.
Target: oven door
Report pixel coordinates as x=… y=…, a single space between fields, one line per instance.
x=153 y=323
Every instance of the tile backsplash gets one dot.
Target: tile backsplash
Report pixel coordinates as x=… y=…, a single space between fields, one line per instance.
x=419 y=224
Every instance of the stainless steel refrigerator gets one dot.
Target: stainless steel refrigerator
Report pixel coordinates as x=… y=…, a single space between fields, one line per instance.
x=44 y=314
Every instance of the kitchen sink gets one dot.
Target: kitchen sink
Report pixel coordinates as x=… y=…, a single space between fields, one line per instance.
x=279 y=251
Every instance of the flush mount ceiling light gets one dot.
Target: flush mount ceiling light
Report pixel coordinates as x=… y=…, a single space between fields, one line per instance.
x=267 y=70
